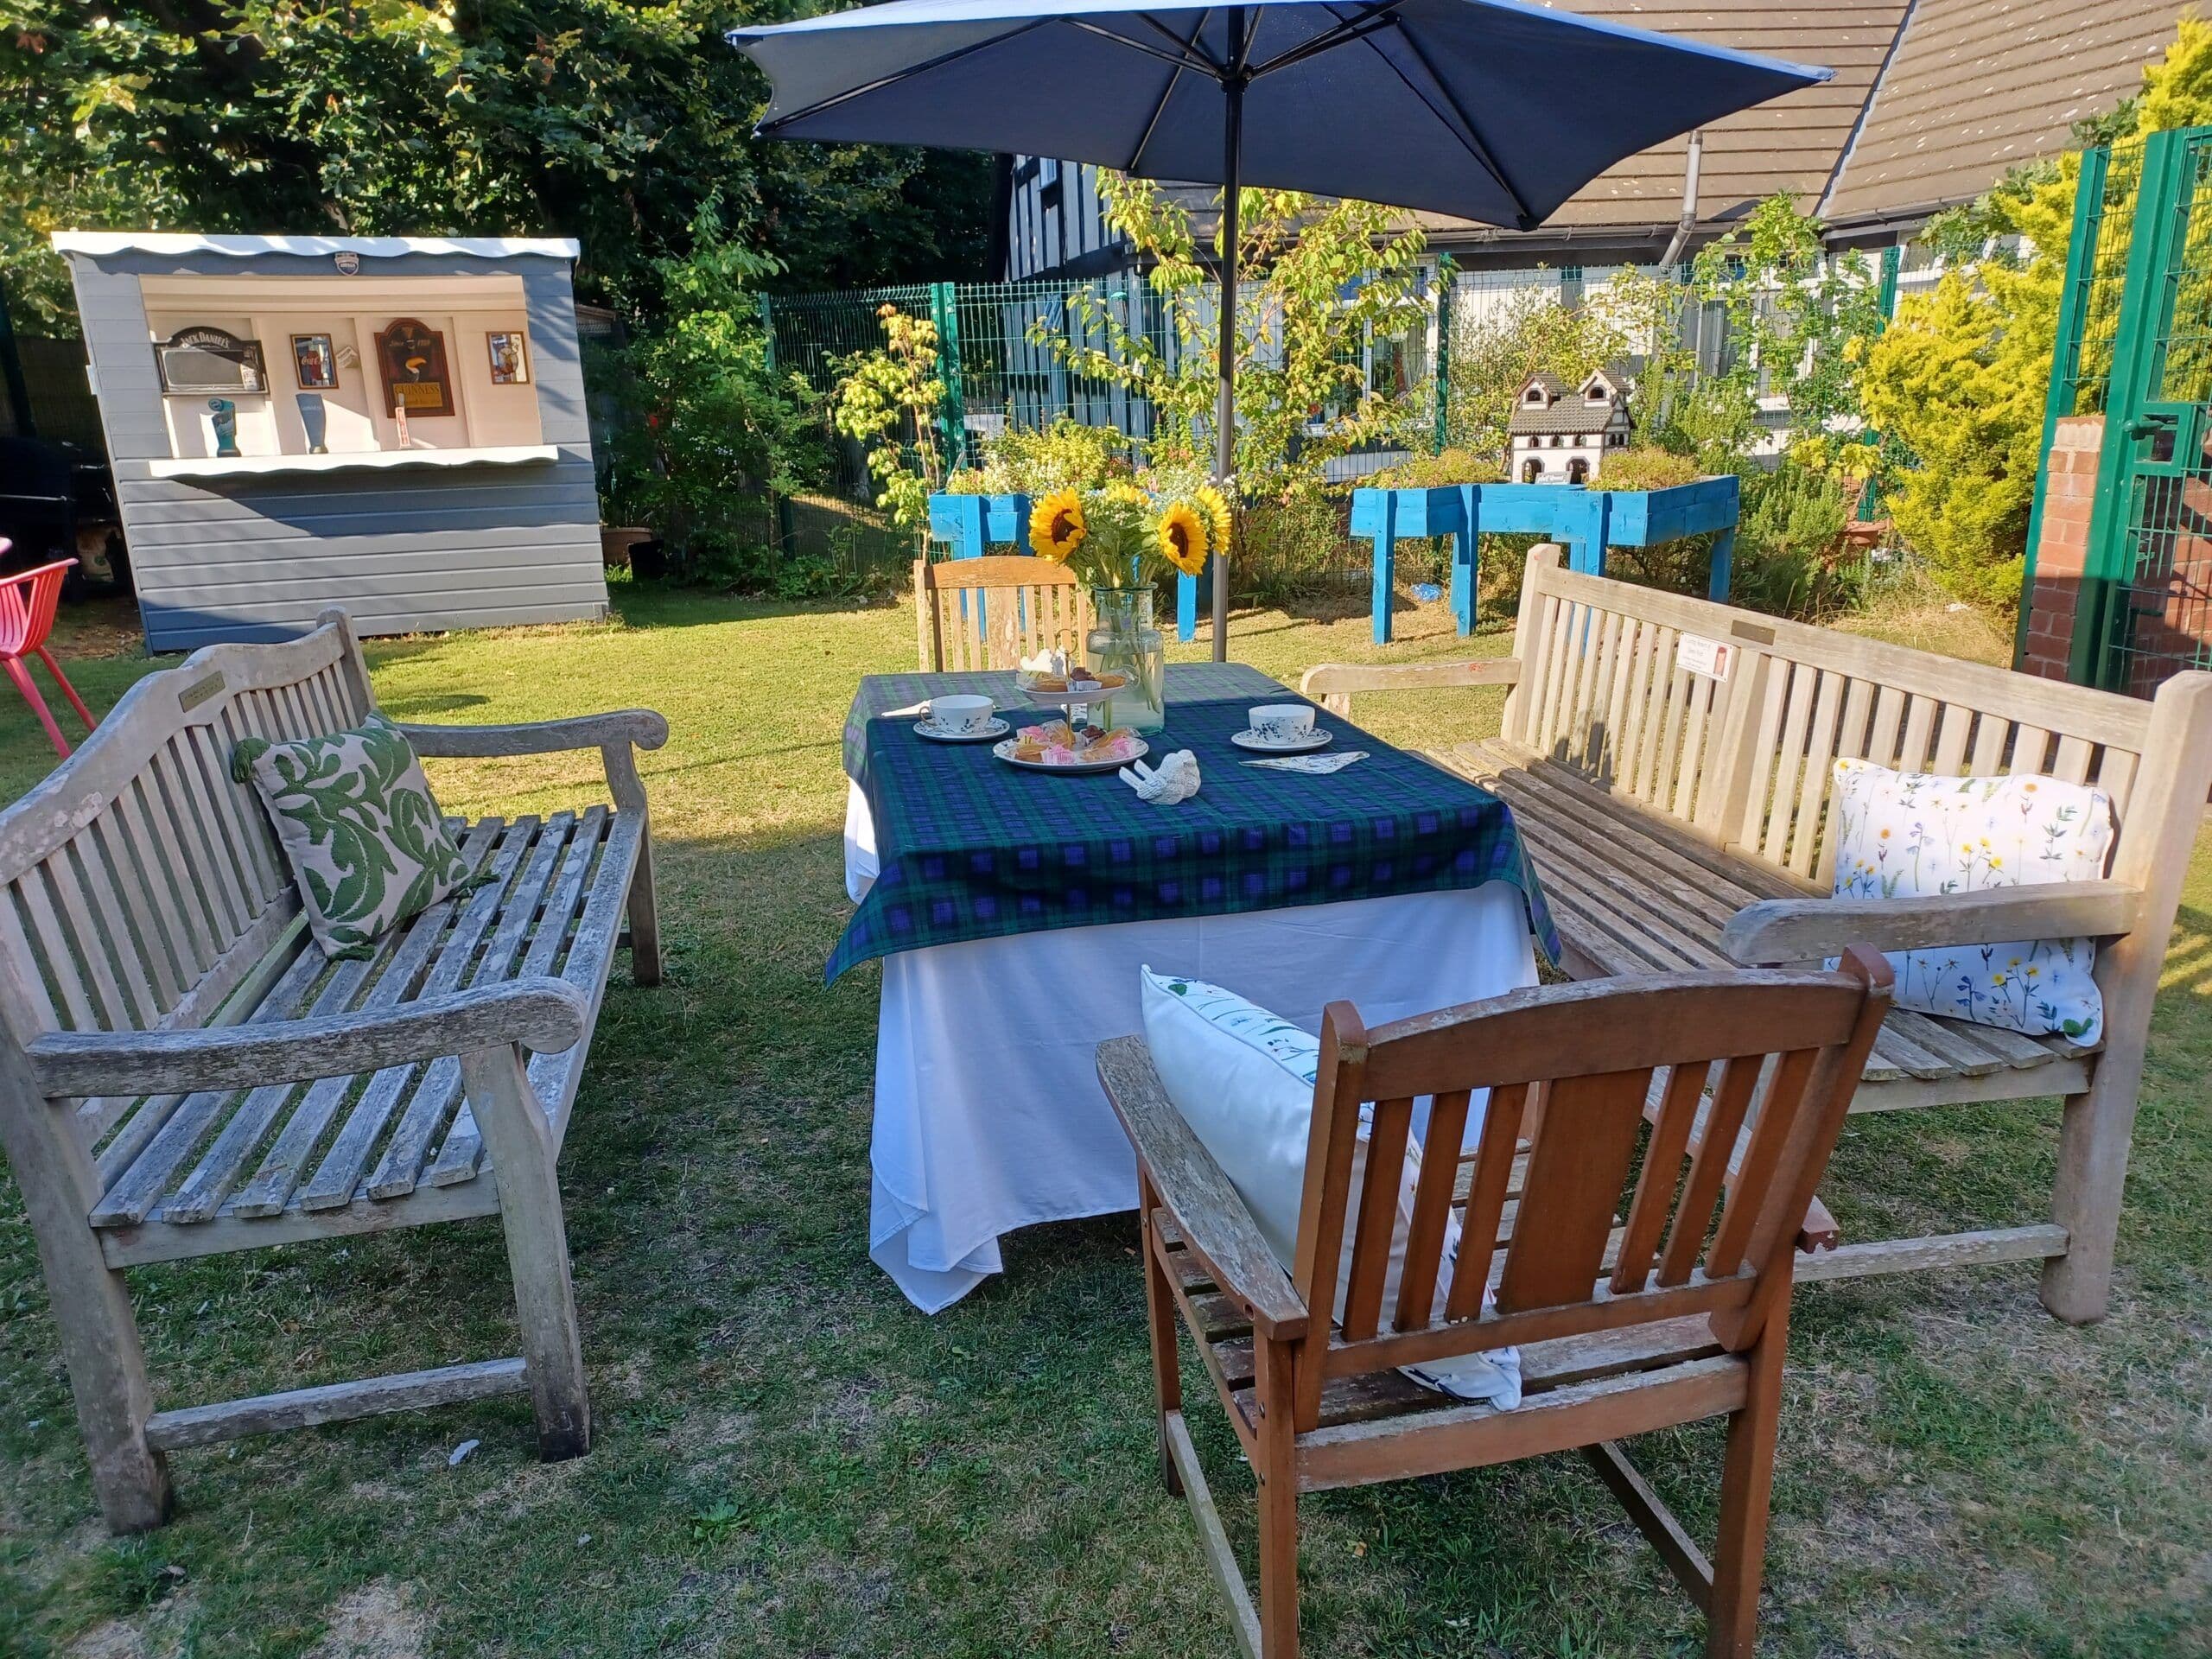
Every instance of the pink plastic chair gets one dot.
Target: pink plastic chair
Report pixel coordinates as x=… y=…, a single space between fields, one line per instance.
x=26 y=606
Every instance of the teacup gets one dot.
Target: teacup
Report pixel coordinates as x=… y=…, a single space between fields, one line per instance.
x=961 y=716
x=1282 y=723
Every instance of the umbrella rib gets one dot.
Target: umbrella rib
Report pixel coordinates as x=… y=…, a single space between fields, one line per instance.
x=1205 y=58
x=1345 y=30
x=771 y=128
x=1185 y=61
x=1136 y=155
x=1470 y=136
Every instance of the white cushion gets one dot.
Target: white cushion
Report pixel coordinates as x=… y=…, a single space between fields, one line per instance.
x=1907 y=834
x=1243 y=1078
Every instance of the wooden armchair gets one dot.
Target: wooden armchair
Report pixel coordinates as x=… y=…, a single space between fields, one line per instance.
x=1004 y=607
x=1623 y=1327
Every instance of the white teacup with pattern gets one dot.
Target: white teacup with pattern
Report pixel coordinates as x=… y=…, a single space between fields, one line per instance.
x=1282 y=723
x=961 y=716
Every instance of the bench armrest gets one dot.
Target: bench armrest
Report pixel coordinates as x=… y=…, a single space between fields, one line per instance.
x=545 y=1015
x=1215 y=1225
x=1797 y=929
x=1331 y=684
x=639 y=727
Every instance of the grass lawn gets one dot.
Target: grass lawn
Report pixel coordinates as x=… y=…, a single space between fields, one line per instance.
x=791 y=1460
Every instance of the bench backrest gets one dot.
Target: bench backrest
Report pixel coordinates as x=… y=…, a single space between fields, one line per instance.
x=1569 y=1068
x=1746 y=761
x=139 y=885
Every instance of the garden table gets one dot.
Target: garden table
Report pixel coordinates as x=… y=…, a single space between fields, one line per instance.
x=1013 y=909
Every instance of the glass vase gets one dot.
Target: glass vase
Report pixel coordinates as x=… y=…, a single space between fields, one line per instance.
x=1123 y=641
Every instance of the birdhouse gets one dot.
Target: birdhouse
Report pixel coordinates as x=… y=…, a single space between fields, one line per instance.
x=1558 y=433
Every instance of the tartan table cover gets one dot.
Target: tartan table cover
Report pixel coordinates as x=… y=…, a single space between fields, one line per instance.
x=970 y=848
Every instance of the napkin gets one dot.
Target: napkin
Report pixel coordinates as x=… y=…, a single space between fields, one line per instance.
x=1046 y=662
x=1317 y=765
x=1174 y=779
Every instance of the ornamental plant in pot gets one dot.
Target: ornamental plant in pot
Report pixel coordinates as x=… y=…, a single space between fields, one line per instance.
x=1119 y=539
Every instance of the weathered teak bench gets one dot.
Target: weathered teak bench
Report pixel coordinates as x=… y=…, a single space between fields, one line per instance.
x=1679 y=821
x=183 y=1073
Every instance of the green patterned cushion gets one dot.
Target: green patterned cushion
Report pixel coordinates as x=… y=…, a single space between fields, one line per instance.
x=366 y=844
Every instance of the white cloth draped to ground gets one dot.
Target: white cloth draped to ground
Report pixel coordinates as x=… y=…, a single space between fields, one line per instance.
x=988 y=1110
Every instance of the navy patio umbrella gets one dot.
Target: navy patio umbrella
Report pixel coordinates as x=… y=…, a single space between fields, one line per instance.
x=1487 y=109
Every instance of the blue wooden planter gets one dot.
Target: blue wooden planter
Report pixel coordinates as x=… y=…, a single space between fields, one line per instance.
x=976 y=524
x=1588 y=521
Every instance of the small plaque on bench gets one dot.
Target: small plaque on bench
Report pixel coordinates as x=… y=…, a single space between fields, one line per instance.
x=1713 y=658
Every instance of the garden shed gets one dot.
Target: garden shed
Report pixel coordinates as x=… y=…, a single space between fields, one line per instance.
x=392 y=424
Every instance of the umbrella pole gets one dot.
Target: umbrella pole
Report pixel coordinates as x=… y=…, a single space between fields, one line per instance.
x=1225 y=408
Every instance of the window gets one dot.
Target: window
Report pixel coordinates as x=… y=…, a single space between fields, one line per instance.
x=1534 y=397
x=1578 y=471
x=1531 y=470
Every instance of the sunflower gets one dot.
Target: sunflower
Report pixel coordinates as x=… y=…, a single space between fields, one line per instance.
x=1056 y=526
x=1217 y=511
x=1182 y=537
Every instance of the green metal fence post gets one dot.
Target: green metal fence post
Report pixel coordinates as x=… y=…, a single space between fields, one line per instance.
x=2146 y=307
x=1445 y=269
x=1885 y=300
x=952 y=408
x=2065 y=361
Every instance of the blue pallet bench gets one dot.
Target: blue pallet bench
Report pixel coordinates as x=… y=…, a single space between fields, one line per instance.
x=976 y=524
x=1588 y=521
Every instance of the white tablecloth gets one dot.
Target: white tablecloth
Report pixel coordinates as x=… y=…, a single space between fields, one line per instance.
x=988 y=1115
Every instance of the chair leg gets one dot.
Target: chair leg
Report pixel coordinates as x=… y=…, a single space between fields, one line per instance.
x=515 y=1134
x=1159 y=1309
x=68 y=689
x=28 y=687
x=1746 y=1489
x=1276 y=1468
x=645 y=918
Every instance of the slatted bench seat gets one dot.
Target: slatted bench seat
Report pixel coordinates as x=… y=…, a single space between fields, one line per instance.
x=186 y=1074
x=1680 y=820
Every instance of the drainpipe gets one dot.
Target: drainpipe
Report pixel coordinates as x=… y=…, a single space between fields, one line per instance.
x=1688 y=220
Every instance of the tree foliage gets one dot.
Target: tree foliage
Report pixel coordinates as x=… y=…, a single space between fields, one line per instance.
x=887 y=399
x=625 y=123
x=1318 y=281
x=1958 y=381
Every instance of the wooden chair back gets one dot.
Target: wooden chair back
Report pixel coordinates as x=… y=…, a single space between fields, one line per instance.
x=140 y=884
x=1570 y=1072
x=990 y=613
x=1607 y=687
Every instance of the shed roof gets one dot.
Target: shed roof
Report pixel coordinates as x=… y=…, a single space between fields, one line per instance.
x=369 y=247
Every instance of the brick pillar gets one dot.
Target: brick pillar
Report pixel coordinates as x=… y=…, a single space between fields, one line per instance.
x=2069 y=487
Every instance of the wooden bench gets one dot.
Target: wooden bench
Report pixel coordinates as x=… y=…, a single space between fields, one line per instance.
x=1681 y=821
x=183 y=1073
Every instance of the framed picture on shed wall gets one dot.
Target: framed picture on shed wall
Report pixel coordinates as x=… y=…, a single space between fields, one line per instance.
x=510 y=358
x=411 y=360
x=314 y=363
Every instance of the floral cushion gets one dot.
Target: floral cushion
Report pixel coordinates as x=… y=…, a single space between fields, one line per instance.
x=354 y=815
x=1903 y=834
x=1243 y=1078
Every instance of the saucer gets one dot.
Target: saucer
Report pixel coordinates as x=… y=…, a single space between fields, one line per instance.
x=1258 y=745
x=995 y=727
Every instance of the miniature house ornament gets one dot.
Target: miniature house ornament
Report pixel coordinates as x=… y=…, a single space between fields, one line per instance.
x=1559 y=433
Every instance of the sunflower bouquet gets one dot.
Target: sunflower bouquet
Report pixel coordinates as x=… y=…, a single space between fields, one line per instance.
x=1124 y=535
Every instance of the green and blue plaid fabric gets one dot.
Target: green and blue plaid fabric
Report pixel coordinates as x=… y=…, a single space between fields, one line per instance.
x=969 y=848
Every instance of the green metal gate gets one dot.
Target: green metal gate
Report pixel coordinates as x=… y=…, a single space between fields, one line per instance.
x=2145 y=610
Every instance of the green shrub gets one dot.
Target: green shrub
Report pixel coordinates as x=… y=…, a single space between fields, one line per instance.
x=1646 y=468
x=1437 y=471
x=1066 y=455
x=1786 y=545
